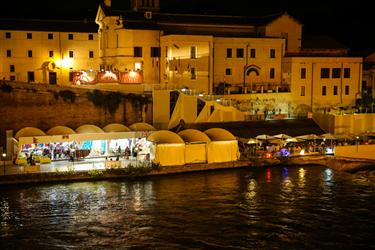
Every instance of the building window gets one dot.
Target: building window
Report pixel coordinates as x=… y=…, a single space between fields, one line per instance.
x=346 y=89
x=252 y=53
x=50 y=36
x=12 y=78
x=324 y=73
x=71 y=76
x=336 y=73
x=335 y=90
x=346 y=72
x=155 y=51
x=137 y=51
x=239 y=53
x=12 y=68
x=324 y=90
x=193 y=74
x=71 y=54
x=303 y=73
x=228 y=71
x=9 y=53
x=8 y=35
x=29 y=36
x=30 y=76
x=272 y=73
x=70 y=36
x=30 y=53
x=51 y=53
x=193 y=52
x=302 y=90
x=272 y=53
x=91 y=36
x=91 y=54
x=229 y=53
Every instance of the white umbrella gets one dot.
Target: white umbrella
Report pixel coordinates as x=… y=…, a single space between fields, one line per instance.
x=309 y=137
x=265 y=137
x=253 y=141
x=282 y=136
x=293 y=139
x=329 y=136
x=277 y=141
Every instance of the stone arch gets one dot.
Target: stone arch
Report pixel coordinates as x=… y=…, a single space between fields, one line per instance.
x=252 y=68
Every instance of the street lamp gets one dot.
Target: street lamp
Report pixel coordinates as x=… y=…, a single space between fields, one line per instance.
x=357 y=137
x=4 y=155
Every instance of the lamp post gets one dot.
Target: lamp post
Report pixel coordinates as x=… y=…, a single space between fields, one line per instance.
x=357 y=137
x=4 y=155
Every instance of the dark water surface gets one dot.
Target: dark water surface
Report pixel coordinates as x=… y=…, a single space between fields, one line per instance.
x=309 y=207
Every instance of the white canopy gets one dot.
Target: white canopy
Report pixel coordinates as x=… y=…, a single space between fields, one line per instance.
x=193 y=135
x=142 y=126
x=88 y=128
x=116 y=127
x=219 y=134
x=60 y=130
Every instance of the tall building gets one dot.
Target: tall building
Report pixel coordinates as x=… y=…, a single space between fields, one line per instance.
x=263 y=56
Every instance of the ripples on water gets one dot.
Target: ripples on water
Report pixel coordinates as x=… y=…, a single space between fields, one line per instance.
x=274 y=208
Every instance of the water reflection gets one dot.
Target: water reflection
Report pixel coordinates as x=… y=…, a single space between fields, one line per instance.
x=308 y=207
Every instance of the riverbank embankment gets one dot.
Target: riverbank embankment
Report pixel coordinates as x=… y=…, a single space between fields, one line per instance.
x=336 y=163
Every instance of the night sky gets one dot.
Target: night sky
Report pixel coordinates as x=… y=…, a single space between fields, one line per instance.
x=349 y=24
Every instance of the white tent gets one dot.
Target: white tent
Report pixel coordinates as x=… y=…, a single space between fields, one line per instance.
x=169 y=148
x=196 y=145
x=223 y=146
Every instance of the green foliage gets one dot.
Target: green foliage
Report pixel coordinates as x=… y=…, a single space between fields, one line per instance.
x=66 y=95
x=6 y=88
x=95 y=173
x=111 y=101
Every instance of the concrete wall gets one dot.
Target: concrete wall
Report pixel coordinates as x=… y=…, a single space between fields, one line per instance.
x=34 y=105
x=362 y=151
x=345 y=124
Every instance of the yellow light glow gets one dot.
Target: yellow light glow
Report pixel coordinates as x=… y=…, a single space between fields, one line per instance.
x=65 y=63
x=138 y=66
x=132 y=74
x=302 y=152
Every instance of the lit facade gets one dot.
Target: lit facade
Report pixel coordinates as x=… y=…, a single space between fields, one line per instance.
x=143 y=46
x=33 y=54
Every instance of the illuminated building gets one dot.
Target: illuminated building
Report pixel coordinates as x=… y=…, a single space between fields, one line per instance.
x=264 y=56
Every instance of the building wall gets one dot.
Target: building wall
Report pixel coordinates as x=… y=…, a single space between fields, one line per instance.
x=313 y=82
x=358 y=152
x=41 y=63
x=178 y=65
x=239 y=66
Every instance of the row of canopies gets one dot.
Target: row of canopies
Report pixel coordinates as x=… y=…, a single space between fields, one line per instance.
x=194 y=146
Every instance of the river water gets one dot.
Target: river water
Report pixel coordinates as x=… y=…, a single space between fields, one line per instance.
x=310 y=207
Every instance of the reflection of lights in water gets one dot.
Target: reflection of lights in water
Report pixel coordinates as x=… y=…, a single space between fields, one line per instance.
x=137 y=198
x=328 y=174
x=301 y=175
x=284 y=172
x=268 y=175
x=251 y=189
x=302 y=152
x=329 y=151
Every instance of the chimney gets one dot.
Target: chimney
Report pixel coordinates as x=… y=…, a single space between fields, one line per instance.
x=107 y=3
